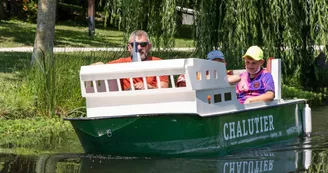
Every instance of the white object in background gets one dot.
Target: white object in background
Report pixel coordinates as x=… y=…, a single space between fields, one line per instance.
x=276 y=74
x=307 y=119
x=307 y=157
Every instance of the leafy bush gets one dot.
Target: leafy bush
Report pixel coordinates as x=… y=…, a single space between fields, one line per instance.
x=294 y=92
x=30 y=8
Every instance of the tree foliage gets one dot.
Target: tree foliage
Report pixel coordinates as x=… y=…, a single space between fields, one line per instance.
x=286 y=29
x=157 y=17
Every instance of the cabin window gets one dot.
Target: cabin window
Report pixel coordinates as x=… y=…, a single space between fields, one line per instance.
x=101 y=86
x=209 y=99
x=215 y=75
x=89 y=87
x=208 y=75
x=114 y=85
x=217 y=98
x=198 y=75
x=227 y=96
x=180 y=80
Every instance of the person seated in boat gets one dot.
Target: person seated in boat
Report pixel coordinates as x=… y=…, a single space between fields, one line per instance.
x=143 y=47
x=256 y=83
x=215 y=55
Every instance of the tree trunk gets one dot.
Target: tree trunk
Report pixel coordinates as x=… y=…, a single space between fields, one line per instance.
x=45 y=31
x=57 y=8
x=43 y=58
x=91 y=17
x=16 y=8
x=3 y=10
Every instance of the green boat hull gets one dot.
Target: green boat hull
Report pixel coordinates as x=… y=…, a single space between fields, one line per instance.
x=190 y=134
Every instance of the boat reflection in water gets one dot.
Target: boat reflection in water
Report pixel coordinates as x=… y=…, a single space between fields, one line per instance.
x=285 y=160
x=280 y=162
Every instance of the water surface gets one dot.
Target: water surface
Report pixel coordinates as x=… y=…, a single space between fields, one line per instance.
x=308 y=154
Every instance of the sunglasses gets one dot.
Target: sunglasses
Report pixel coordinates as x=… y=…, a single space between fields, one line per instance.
x=142 y=44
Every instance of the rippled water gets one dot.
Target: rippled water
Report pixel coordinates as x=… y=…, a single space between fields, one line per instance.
x=304 y=155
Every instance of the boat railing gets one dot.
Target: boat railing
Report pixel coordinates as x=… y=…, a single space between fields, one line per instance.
x=101 y=86
x=207 y=89
x=106 y=79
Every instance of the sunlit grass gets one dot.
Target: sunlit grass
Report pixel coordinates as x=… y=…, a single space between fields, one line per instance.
x=185 y=43
x=12 y=102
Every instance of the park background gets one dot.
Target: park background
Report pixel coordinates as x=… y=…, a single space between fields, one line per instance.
x=36 y=95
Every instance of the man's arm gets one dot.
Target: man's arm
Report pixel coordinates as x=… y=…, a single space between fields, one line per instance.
x=140 y=85
x=164 y=84
x=97 y=63
x=164 y=81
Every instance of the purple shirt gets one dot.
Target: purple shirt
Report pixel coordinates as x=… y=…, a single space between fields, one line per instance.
x=246 y=88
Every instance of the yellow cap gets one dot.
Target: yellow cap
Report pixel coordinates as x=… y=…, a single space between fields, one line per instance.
x=254 y=52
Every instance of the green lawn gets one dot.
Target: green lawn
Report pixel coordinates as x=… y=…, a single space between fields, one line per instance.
x=16 y=33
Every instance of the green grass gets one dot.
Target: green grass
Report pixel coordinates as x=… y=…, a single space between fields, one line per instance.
x=23 y=119
x=16 y=33
x=11 y=73
x=22 y=89
x=38 y=135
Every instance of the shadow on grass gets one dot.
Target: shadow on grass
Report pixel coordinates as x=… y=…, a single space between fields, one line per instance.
x=13 y=61
x=17 y=32
x=81 y=39
x=69 y=34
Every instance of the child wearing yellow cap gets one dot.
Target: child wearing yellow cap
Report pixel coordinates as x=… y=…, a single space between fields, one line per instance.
x=256 y=83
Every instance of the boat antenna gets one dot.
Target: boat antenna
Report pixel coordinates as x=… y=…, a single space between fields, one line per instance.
x=136 y=54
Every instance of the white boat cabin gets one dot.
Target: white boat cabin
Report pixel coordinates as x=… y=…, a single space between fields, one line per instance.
x=211 y=94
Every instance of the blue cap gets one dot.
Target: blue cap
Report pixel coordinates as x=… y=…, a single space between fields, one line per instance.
x=215 y=54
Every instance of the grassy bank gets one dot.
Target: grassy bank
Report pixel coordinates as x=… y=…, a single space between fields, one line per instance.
x=36 y=135
x=25 y=91
x=23 y=105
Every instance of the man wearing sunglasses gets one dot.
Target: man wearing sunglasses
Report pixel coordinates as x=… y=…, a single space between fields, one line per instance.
x=143 y=46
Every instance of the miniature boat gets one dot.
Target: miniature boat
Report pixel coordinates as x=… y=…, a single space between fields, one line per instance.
x=203 y=118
